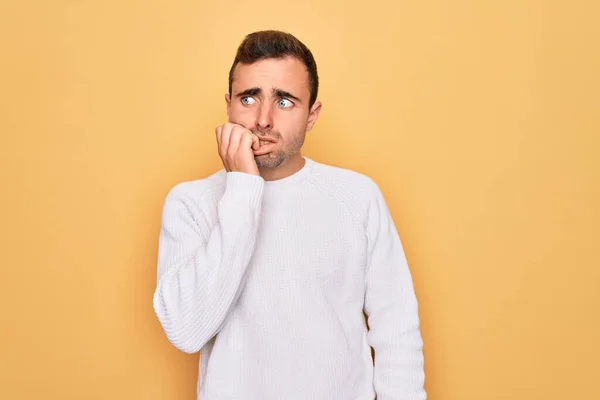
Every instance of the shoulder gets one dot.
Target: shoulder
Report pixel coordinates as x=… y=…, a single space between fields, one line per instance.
x=345 y=179
x=198 y=193
x=356 y=189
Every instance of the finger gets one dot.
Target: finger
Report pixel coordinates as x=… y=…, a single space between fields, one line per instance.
x=255 y=142
x=223 y=141
x=234 y=141
x=218 y=133
x=250 y=141
x=225 y=138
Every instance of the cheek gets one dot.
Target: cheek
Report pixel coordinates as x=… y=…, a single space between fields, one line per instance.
x=290 y=122
x=242 y=115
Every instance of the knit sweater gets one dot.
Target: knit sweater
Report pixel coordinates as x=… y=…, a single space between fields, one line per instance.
x=286 y=286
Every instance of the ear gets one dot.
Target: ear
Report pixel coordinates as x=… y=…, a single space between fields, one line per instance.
x=228 y=101
x=313 y=115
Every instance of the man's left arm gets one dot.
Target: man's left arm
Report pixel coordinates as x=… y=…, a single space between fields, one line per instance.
x=392 y=310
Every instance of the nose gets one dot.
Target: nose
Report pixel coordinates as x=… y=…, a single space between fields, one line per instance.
x=264 y=120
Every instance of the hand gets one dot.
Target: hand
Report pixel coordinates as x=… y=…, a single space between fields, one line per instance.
x=236 y=146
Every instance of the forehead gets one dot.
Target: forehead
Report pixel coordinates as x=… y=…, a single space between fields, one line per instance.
x=287 y=74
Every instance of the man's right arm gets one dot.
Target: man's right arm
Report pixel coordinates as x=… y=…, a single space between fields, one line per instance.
x=201 y=264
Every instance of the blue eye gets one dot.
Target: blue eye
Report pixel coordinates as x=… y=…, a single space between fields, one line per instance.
x=248 y=100
x=285 y=103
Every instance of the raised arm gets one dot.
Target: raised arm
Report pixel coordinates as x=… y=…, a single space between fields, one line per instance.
x=203 y=257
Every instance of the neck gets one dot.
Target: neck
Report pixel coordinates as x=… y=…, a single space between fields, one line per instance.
x=287 y=168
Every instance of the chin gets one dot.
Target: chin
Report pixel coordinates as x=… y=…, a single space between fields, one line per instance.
x=269 y=160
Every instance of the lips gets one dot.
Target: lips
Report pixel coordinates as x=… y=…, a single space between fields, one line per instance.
x=265 y=148
x=263 y=138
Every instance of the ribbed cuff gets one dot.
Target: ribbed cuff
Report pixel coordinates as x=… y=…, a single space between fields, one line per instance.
x=243 y=188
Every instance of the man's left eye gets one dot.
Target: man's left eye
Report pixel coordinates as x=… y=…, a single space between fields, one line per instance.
x=285 y=103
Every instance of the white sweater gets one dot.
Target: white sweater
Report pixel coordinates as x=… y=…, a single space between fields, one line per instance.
x=269 y=280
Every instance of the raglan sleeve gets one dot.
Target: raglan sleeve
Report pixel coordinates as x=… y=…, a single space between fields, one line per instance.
x=392 y=310
x=202 y=259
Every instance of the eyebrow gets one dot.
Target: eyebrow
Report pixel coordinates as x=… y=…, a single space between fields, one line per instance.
x=283 y=93
x=249 y=92
x=277 y=92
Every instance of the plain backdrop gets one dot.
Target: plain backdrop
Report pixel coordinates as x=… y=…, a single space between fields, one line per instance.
x=478 y=119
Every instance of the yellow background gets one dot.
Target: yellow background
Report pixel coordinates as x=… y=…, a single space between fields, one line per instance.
x=479 y=120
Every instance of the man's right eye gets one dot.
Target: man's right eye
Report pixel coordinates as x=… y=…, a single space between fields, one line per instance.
x=247 y=100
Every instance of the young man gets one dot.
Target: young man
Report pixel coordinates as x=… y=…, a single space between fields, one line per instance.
x=270 y=265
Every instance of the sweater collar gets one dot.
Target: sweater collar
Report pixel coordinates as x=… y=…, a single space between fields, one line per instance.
x=293 y=179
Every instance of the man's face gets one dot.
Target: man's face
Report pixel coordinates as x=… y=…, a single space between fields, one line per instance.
x=270 y=98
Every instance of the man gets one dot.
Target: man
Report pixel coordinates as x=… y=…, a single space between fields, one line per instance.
x=270 y=265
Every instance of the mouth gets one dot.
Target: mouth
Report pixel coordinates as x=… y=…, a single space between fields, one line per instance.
x=265 y=148
x=265 y=138
x=267 y=142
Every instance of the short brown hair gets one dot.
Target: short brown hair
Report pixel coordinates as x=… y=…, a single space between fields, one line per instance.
x=267 y=44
